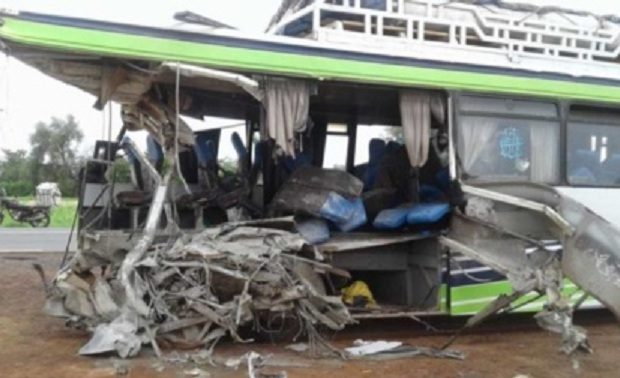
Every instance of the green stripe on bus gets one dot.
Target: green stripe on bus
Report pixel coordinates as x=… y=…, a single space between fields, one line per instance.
x=469 y=299
x=105 y=43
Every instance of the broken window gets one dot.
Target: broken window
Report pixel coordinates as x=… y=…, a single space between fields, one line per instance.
x=502 y=139
x=593 y=150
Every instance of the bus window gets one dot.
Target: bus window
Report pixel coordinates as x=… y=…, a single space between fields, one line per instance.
x=593 y=149
x=509 y=140
x=367 y=133
x=336 y=147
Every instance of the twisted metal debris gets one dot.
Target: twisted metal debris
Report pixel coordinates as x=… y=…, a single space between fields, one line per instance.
x=196 y=290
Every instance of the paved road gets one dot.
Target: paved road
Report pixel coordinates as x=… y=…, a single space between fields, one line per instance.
x=33 y=240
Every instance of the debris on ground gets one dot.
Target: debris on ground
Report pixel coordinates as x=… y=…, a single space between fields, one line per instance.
x=298 y=347
x=365 y=348
x=197 y=290
x=196 y=372
x=385 y=350
x=256 y=365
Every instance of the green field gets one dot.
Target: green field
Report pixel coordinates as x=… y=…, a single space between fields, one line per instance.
x=62 y=216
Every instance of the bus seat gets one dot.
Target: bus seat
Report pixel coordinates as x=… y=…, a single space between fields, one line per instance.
x=430 y=193
x=392 y=146
x=291 y=164
x=205 y=150
x=134 y=163
x=242 y=153
x=376 y=150
x=257 y=163
x=586 y=163
x=154 y=152
x=391 y=219
x=426 y=213
x=237 y=143
x=611 y=170
x=418 y=214
x=442 y=179
x=377 y=200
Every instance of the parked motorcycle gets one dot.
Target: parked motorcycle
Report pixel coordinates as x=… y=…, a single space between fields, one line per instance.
x=37 y=216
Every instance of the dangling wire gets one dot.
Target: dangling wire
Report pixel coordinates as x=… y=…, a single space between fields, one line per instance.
x=177 y=101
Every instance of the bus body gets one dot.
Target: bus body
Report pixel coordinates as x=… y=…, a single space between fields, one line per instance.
x=514 y=120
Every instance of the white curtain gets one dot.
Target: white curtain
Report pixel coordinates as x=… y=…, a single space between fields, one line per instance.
x=545 y=152
x=475 y=134
x=415 y=112
x=287 y=103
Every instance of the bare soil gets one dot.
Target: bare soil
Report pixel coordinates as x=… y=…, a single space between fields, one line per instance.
x=35 y=345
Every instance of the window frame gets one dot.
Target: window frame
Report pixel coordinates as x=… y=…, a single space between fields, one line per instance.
x=459 y=112
x=589 y=107
x=346 y=134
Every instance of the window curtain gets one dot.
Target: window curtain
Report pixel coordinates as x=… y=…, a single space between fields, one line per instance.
x=287 y=103
x=415 y=112
x=475 y=135
x=545 y=152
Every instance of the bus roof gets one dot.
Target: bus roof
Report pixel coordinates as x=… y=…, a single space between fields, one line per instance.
x=31 y=36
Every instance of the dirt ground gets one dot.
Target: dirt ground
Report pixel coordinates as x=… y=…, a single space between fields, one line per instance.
x=34 y=345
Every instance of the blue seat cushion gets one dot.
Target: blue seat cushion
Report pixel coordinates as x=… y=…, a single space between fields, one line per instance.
x=425 y=213
x=336 y=208
x=391 y=219
x=357 y=219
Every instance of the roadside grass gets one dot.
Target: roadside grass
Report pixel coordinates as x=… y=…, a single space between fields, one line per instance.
x=61 y=216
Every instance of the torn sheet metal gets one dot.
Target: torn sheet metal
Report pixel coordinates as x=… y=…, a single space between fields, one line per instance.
x=198 y=289
x=120 y=336
x=516 y=218
x=591 y=245
x=190 y=71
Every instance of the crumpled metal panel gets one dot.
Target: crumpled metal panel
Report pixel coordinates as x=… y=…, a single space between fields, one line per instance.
x=591 y=255
x=591 y=251
x=196 y=289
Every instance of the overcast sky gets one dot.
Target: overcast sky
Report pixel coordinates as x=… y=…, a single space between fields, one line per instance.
x=27 y=96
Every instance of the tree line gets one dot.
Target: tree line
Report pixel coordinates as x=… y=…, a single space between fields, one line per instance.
x=53 y=157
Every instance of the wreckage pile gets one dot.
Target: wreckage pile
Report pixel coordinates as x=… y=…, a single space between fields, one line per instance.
x=198 y=289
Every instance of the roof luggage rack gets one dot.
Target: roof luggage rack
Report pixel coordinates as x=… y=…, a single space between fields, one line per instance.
x=487 y=32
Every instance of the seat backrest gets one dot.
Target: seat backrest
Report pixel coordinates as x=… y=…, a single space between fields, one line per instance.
x=610 y=170
x=376 y=150
x=586 y=167
x=205 y=150
x=134 y=163
x=242 y=153
x=239 y=146
x=154 y=152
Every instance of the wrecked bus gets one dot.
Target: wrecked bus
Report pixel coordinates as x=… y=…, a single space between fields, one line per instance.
x=478 y=162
